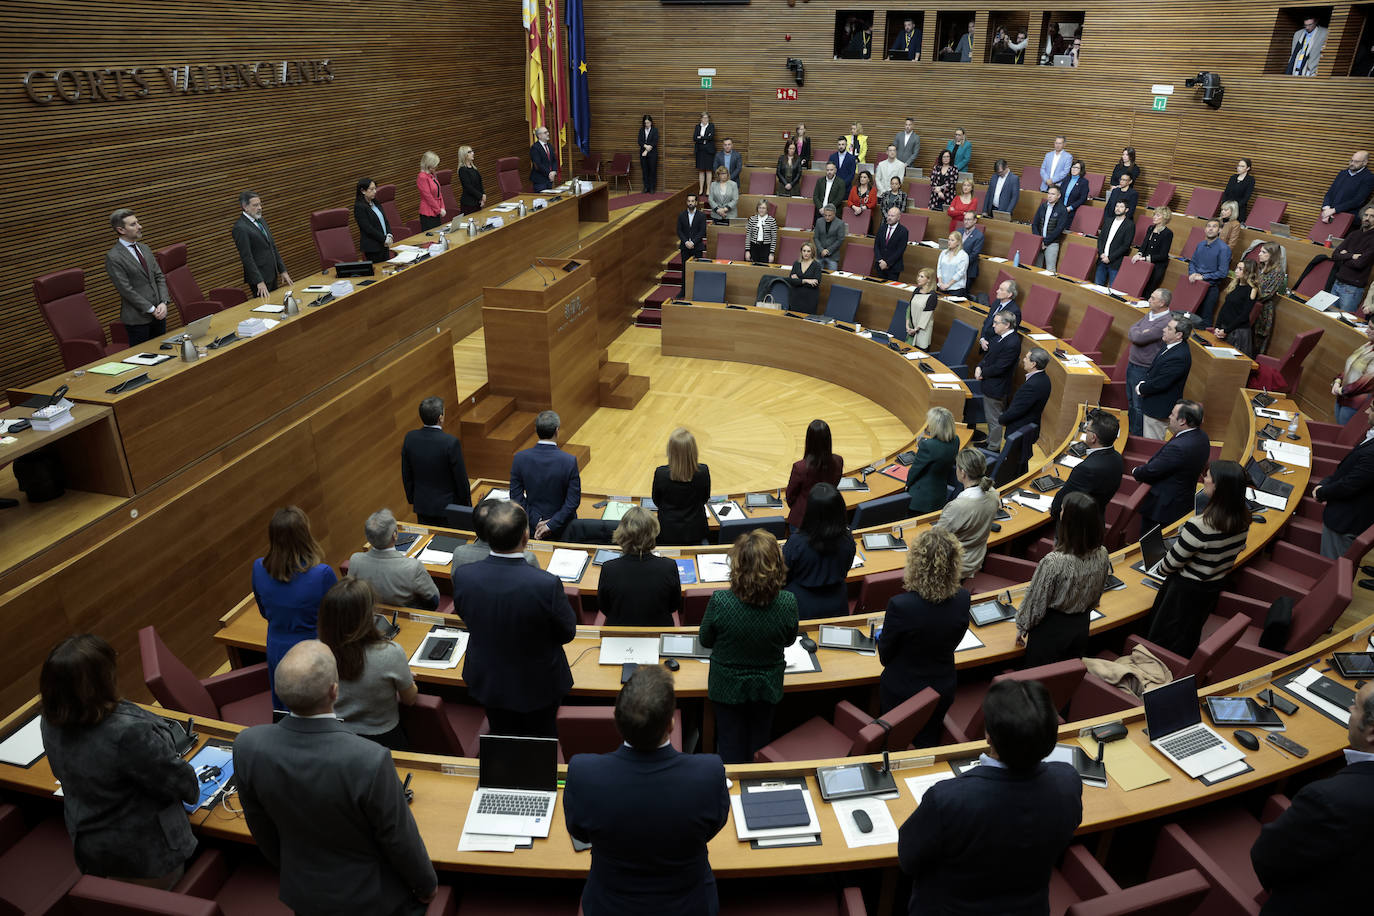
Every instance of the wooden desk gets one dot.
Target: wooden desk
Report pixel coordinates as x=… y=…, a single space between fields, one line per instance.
x=594 y=206
x=88 y=447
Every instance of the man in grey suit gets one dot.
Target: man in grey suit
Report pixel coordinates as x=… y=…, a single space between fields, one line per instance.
x=134 y=272
x=908 y=143
x=730 y=159
x=326 y=806
x=396 y=578
x=829 y=235
x=262 y=263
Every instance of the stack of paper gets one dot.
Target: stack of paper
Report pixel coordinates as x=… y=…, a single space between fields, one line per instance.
x=918 y=785
x=1228 y=352
x=1268 y=500
x=777 y=836
x=460 y=645
x=568 y=564
x=713 y=567
x=944 y=377
x=970 y=641
x=24 y=746
x=916 y=354
x=1295 y=455
x=1038 y=503
x=1042 y=337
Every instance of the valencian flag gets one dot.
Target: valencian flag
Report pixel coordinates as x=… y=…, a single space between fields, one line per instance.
x=577 y=63
x=534 y=69
x=556 y=75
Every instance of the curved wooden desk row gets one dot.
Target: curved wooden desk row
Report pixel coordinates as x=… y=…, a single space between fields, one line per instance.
x=163 y=427
x=443 y=788
x=244 y=630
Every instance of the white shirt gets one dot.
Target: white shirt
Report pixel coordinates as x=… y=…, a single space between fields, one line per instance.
x=1354 y=756
x=1049 y=211
x=760 y=238
x=829 y=183
x=322 y=715
x=1172 y=345
x=1116 y=224
x=510 y=556
x=997 y=188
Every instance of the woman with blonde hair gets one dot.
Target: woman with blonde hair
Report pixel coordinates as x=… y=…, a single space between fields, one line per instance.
x=963 y=202
x=951 y=268
x=1154 y=247
x=474 y=198
x=681 y=489
x=1271 y=281
x=747 y=626
x=762 y=233
x=928 y=474
x=920 y=311
x=970 y=514
x=1229 y=214
x=432 y=211
x=288 y=584
x=637 y=588
x=1233 y=318
x=1353 y=386
x=921 y=628
x=724 y=196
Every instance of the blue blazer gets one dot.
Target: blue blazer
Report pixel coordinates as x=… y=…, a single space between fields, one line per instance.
x=846 y=168
x=891 y=252
x=1172 y=473
x=999 y=365
x=648 y=816
x=986 y=842
x=544 y=479
x=1164 y=380
x=1011 y=195
x=1027 y=404
x=519 y=619
x=1075 y=198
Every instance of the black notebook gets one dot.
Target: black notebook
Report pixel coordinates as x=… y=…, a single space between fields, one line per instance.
x=771 y=810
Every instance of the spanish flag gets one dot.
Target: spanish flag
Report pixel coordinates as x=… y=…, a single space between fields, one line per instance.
x=534 y=70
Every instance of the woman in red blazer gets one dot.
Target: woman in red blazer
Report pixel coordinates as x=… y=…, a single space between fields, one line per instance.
x=863 y=197
x=818 y=465
x=432 y=211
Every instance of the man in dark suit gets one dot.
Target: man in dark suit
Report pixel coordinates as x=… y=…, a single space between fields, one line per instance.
x=545 y=482
x=1114 y=242
x=543 y=161
x=973 y=247
x=1004 y=190
x=845 y=163
x=432 y=468
x=729 y=158
x=1028 y=404
x=648 y=810
x=691 y=231
x=1125 y=193
x=325 y=806
x=134 y=272
x=1050 y=222
x=889 y=246
x=988 y=841
x=1311 y=856
x=262 y=263
x=1167 y=376
x=1349 y=496
x=1004 y=300
x=1173 y=471
x=830 y=191
x=519 y=619
x=995 y=371
x=1099 y=473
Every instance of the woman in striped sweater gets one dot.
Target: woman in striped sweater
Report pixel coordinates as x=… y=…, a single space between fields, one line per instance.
x=762 y=235
x=1200 y=560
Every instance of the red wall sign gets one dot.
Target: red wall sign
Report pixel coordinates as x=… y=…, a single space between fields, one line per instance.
x=787 y=95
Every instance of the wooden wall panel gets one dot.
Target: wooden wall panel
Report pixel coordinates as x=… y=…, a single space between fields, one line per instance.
x=406 y=77
x=1299 y=131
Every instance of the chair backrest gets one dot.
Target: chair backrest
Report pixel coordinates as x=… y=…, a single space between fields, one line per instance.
x=957 y=343
x=843 y=303
x=1178 y=894
x=708 y=286
x=763 y=182
x=1353 y=430
x=1290 y=367
x=1142 y=226
x=732 y=528
x=458 y=516
x=1195 y=238
x=591 y=730
x=620 y=164
x=1091 y=329
x=1203 y=203
x=445 y=178
x=1211 y=649
x=62 y=302
x=1095 y=182
x=918 y=192
x=1263 y=211
x=589 y=165
x=904 y=721
x=1133 y=276
x=333 y=240
x=1315 y=281
x=1025 y=244
x=1162 y=195
x=896 y=328
x=789 y=248
x=1060 y=678
x=95 y=896
x=1319 y=609
x=694 y=604
x=1188 y=295
x=1039 y=307
x=808 y=183
x=882 y=511
x=1087 y=219
x=1122 y=509
x=1076 y=261
x=915 y=225
x=507 y=177
x=730 y=246
x=169 y=680
x=858 y=223
x=1339 y=227
x=1009 y=459
x=184 y=290
x=800 y=216
x=858 y=256
x=878 y=589
x=428 y=728
x=386 y=199
x=1030 y=178
x=781 y=291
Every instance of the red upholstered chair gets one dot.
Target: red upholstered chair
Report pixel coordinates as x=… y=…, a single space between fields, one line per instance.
x=877 y=590
x=1070 y=685
x=1211 y=651
x=619 y=168
x=854 y=732
x=1081 y=886
x=1079 y=877
x=800 y=216
x=915 y=225
x=1203 y=203
x=241 y=696
x=185 y=291
x=1315 y=281
x=507 y=177
x=36 y=864
x=694 y=604
x=1027 y=245
x=858 y=256
x=1188 y=294
x=333 y=238
x=1087 y=220
x=432 y=730
x=1339 y=227
x=918 y=192
x=445 y=178
x=1290 y=364
x=1162 y=195
x=1332 y=441
x=1030 y=178
x=1000 y=571
x=591 y=730
x=1293 y=571
x=589 y=167
x=1264 y=211
x=1195 y=237
x=770 y=900
x=1132 y=277
x=1142 y=226
x=789 y=249
x=730 y=246
x=808 y=184
x=1095 y=182
x=763 y=182
x=857 y=223
x=1039 y=308
x=62 y=301
x=93 y=896
x=1076 y=261
x=1123 y=509
x=1092 y=328
x=386 y=199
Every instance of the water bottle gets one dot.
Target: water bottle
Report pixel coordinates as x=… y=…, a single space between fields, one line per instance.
x=1293 y=427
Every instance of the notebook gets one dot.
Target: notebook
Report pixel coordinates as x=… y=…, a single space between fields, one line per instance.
x=1178 y=732
x=1154 y=548
x=517 y=786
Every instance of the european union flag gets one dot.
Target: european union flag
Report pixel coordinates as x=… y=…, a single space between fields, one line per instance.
x=577 y=62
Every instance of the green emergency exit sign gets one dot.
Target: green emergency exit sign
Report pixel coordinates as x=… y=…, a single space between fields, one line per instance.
x=1160 y=102
x=706 y=82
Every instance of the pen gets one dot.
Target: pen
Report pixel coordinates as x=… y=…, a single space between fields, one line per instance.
x=1280 y=750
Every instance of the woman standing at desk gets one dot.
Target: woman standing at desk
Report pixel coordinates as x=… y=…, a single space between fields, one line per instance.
x=920 y=311
x=818 y=465
x=1271 y=281
x=374 y=235
x=724 y=197
x=942 y=179
x=289 y=584
x=637 y=588
x=704 y=147
x=1159 y=238
x=747 y=626
x=820 y=555
x=805 y=280
x=928 y=475
x=123 y=781
x=788 y=172
x=1233 y=318
x=951 y=268
x=762 y=233
x=432 y=211
x=681 y=489
x=1239 y=187
x=1353 y=385
x=474 y=198
x=648 y=154
x=1068 y=583
x=374 y=672
x=969 y=515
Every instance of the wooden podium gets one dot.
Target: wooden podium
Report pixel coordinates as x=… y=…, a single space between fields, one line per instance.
x=540 y=328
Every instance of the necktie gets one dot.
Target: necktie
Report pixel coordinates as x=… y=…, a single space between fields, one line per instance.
x=141 y=260
x=546 y=150
x=262 y=227
x=889 y=233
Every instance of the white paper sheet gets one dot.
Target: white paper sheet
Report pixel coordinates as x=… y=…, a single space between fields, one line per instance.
x=726 y=510
x=1270 y=413
x=884 y=827
x=1042 y=337
x=1228 y=352
x=944 y=377
x=796 y=659
x=1266 y=499
x=436 y=557
x=919 y=785
x=419 y=661
x=1038 y=503
x=1070 y=461
x=270 y=309
x=486 y=842
x=916 y=354
x=970 y=641
x=568 y=564
x=1322 y=301
x=1295 y=455
x=713 y=567
x=24 y=746
x=498 y=494
x=1299 y=686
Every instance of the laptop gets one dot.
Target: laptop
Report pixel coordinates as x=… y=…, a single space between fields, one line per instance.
x=1261 y=481
x=1280 y=229
x=517 y=786
x=193 y=331
x=1063 y=60
x=1177 y=731
x=1154 y=548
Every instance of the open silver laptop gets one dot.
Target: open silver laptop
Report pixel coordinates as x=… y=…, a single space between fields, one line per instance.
x=193 y=331
x=1177 y=731
x=1153 y=549
x=517 y=786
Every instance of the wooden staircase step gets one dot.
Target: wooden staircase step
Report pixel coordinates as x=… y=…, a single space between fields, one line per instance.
x=610 y=375
x=517 y=428
x=649 y=317
x=628 y=393
x=486 y=415
x=583 y=453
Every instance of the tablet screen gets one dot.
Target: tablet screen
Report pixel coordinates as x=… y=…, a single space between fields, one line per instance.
x=682 y=644
x=1227 y=710
x=843 y=779
x=838 y=636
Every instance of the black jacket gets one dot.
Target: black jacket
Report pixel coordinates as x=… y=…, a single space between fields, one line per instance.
x=1172 y=473
x=1059 y=222
x=681 y=506
x=1027 y=404
x=1121 y=242
x=1098 y=475
x=999 y=365
x=1165 y=379
x=433 y=472
x=372 y=232
x=1349 y=493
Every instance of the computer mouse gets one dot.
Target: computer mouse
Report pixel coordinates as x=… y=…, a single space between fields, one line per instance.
x=165 y=346
x=672 y=664
x=863 y=821
x=1257 y=518
x=1247 y=740
x=808 y=644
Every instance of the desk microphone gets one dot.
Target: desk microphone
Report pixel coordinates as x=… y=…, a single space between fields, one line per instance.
x=535 y=267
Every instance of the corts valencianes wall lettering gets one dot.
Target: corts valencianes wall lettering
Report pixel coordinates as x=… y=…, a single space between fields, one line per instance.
x=123 y=84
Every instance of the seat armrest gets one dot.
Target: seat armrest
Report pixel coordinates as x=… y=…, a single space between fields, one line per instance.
x=80 y=351
x=849 y=719
x=1176 y=847
x=443 y=903
x=204 y=877
x=852 y=902
x=1085 y=874
x=1230 y=604
x=119 y=334
x=227 y=296
x=1323 y=432
x=1274 y=805
x=956 y=732
x=1175 y=661
x=239 y=684
x=1177 y=893
x=1301 y=561
x=1268 y=362
x=1095 y=697
x=12 y=826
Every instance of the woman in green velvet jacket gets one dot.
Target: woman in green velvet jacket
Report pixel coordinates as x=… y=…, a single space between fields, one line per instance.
x=928 y=477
